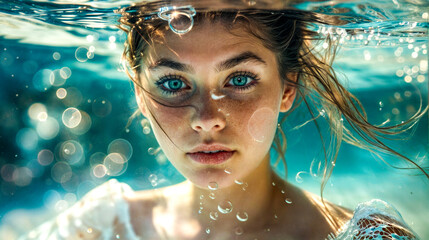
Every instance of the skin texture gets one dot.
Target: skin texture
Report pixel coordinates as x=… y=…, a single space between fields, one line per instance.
x=212 y=111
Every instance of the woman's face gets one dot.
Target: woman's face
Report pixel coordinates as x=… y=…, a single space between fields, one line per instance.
x=216 y=95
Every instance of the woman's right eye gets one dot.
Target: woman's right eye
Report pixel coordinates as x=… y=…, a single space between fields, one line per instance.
x=171 y=84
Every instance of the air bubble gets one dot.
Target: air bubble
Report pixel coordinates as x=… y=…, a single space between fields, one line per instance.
x=121 y=146
x=45 y=157
x=56 y=56
x=61 y=93
x=57 y=78
x=61 y=172
x=71 y=117
x=153 y=180
x=238 y=182
x=245 y=185
x=208 y=230
x=288 y=201
x=72 y=152
x=180 y=19
x=239 y=231
x=225 y=207
x=214 y=215
x=212 y=196
x=227 y=170
x=153 y=151
x=42 y=79
x=298 y=178
x=90 y=38
x=47 y=129
x=242 y=216
x=99 y=171
x=115 y=163
x=81 y=54
x=408 y=79
x=35 y=110
x=65 y=72
x=213 y=186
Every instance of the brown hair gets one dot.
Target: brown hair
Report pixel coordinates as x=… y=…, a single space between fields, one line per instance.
x=286 y=33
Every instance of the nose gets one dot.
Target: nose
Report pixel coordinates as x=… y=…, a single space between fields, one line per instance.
x=208 y=117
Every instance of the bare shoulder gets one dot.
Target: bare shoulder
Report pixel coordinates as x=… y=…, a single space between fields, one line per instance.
x=324 y=217
x=314 y=202
x=335 y=214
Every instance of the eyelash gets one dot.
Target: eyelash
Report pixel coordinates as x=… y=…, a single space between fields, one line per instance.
x=169 y=77
x=253 y=76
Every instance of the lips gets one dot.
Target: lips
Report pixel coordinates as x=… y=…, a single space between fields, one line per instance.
x=211 y=154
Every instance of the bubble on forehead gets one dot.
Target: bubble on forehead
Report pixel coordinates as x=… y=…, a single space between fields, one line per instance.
x=260 y=122
x=180 y=19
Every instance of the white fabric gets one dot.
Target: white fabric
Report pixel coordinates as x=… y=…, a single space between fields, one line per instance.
x=103 y=214
x=376 y=220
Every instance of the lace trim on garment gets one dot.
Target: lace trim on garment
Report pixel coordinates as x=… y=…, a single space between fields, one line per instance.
x=376 y=220
x=102 y=214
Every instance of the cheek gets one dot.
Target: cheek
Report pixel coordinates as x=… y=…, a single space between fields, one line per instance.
x=169 y=119
x=262 y=124
x=255 y=119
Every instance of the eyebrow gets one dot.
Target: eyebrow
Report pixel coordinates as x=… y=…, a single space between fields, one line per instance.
x=227 y=64
x=165 y=62
x=239 y=59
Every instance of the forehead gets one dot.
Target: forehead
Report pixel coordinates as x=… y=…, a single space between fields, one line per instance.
x=207 y=41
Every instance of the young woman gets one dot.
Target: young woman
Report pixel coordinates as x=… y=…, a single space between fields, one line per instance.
x=213 y=95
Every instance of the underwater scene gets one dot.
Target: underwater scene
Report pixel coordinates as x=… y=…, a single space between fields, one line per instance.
x=68 y=120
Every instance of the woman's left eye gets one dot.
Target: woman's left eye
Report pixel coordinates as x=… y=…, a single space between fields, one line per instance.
x=243 y=80
x=173 y=84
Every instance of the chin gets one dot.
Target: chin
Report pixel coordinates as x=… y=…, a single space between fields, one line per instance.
x=212 y=179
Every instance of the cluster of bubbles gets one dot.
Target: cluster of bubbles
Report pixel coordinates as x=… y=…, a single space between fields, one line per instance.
x=375 y=35
x=406 y=47
x=46 y=123
x=46 y=78
x=224 y=207
x=416 y=72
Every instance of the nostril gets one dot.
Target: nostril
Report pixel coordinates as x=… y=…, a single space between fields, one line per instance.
x=213 y=124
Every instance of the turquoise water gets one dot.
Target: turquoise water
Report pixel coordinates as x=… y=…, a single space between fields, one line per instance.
x=65 y=104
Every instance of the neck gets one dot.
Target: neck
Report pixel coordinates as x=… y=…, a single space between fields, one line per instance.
x=245 y=204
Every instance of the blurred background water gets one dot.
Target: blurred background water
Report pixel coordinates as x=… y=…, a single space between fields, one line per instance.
x=65 y=104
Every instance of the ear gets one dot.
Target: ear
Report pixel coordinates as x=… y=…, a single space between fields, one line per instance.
x=140 y=99
x=289 y=93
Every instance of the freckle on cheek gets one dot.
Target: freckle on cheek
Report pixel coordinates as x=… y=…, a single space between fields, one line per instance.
x=260 y=124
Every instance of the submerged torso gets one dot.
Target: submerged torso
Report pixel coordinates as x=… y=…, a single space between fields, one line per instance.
x=114 y=211
x=171 y=213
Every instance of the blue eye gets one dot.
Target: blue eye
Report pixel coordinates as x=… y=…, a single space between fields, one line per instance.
x=242 y=80
x=171 y=84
